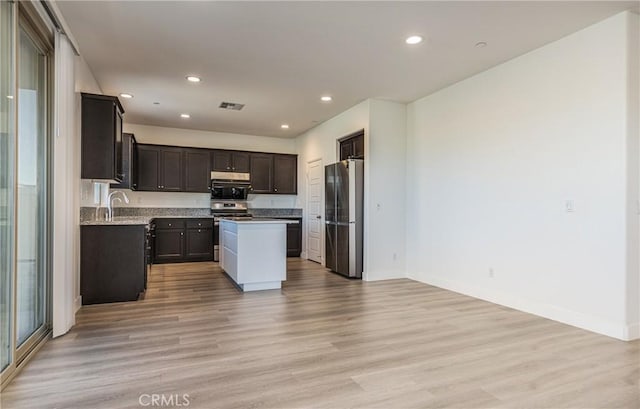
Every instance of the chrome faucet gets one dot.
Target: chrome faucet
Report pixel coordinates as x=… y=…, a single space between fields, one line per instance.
x=111 y=199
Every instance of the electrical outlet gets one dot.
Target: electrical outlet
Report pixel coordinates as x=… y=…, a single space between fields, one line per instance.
x=569 y=206
x=491 y=273
x=395 y=256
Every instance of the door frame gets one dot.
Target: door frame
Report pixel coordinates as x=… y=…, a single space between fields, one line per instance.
x=323 y=258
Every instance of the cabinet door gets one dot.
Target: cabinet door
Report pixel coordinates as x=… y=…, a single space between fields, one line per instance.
x=169 y=245
x=358 y=147
x=261 y=173
x=240 y=162
x=285 y=171
x=197 y=172
x=128 y=161
x=171 y=170
x=221 y=161
x=148 y=164
x=118 y=165
x=346 y=150
x=294 y=239
x=98 y=144
x=199 y=245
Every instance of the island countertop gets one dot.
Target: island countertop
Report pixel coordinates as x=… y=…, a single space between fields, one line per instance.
x=258 y=220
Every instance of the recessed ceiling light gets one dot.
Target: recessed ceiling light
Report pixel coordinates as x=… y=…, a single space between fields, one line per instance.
x=481 y=44
x=326 y=98
x=185 y=116
x=413 y=40
x=284 y=126
x=193 y=78
x=123 y=95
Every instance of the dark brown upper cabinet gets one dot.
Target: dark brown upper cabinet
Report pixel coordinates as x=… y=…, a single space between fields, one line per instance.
x=129 y=156
x=352 y=146
x=159 y=168
x=197 y=170
x=147 y=177
x=101 y=131
x=230 y=161
x=261 y=173
x=274 y=173
x=285 y=171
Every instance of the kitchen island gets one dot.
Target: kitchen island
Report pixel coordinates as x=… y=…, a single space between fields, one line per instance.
x=253 y=252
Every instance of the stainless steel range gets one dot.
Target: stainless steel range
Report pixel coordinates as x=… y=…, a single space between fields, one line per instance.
x=220 y=210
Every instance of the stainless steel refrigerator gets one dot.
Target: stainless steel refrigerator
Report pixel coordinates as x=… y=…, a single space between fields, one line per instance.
x=343 y=216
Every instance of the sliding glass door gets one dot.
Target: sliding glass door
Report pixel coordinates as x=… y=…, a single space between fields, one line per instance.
x=25 y=143
x=31 y=223
x=6 y=182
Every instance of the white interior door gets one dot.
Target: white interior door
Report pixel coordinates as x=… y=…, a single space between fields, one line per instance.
x=314 y=205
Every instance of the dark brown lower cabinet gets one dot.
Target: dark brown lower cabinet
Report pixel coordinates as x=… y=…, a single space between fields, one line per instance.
x=294 y=238
x=178 y=240
x=112 y=263
x=169 y=245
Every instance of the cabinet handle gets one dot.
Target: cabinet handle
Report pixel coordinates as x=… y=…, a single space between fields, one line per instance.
x=275 y=190
x=228 y=167
x=169 y=224
x=182 y=234
x=199 y=231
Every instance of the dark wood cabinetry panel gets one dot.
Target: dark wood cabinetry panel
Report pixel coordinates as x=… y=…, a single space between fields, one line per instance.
x=129 y=155
x=101 y=135
x=285 y=171
x=169 y=245
x=197 y=170
x=113 y=263
x=294 y=239
x=261 y=173
x=147 y=166
x=159 y=168
x=221 y=161
x=171 y=170
x=199 y=245
x=241 y=162
x=352 y=146
x=230 y=161
x=178 y=240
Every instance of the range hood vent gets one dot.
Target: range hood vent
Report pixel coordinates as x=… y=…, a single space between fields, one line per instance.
x=231 y=105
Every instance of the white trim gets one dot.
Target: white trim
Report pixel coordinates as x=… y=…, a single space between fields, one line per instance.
x=577 y=319
x=77 y=303
x=382 y=275
x=305 y=253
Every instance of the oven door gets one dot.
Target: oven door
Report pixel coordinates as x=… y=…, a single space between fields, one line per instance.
x=229 y=192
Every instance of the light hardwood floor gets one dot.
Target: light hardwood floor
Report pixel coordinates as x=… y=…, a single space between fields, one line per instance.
x=322 y=341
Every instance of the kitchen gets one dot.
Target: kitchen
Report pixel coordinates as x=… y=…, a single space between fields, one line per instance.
x=465 y=216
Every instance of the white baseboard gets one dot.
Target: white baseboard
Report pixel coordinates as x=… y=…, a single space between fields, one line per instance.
x=382 y=275
x=77 y=303
x=633 y=332
x=304 y=255
x=577 y=319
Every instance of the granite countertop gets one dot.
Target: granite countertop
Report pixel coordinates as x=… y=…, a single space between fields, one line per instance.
x=144 y=216
x=124 y=220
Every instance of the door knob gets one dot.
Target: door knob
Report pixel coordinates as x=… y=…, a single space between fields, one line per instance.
x=318 y=217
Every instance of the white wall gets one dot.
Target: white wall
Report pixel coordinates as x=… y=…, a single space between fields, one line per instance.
x=384 y=123
x=320 y=142
x=491 y=162
x=201 y=139
x=633 y=175
x=385 y=194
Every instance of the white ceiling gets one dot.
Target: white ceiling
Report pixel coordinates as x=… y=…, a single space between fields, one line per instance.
x=278 y=58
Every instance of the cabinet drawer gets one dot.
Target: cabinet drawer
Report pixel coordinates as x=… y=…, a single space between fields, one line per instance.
x=200 y=224
x=169 y=223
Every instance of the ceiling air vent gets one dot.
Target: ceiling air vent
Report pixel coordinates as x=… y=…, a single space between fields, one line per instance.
x=231 y=105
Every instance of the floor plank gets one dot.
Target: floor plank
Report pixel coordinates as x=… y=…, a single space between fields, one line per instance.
x=326 y=342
